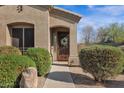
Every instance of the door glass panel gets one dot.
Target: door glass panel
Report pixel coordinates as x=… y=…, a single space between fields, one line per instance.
x=63 y=45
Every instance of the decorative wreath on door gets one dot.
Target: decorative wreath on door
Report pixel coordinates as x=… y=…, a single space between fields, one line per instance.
x=64 y=41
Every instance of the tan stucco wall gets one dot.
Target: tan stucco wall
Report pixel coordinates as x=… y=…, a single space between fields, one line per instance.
x=42 y=22
x=9 y=14
x=56 y=21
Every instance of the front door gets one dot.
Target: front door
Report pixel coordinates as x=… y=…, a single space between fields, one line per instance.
x=63 y=46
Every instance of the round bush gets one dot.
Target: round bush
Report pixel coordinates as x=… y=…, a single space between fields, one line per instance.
x=9 y=50
x=122 y=48
x=42 y=59
x=102 y=62
x=11 y=67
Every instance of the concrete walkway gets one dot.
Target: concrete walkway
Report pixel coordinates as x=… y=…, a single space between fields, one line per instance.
x=59 y=76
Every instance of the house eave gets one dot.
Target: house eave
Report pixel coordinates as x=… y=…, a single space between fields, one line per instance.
x=62 y=12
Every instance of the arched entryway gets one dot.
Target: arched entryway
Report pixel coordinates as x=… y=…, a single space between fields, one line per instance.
x=60 y=43
x=22 y=35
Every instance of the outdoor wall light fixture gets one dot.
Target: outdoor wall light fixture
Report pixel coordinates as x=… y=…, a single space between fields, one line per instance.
x=19 y=8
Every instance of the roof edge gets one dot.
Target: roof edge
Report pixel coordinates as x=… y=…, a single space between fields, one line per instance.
x=73 y=16
x=67 y=11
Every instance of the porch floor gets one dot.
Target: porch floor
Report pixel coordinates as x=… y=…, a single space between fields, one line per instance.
x=59 y=76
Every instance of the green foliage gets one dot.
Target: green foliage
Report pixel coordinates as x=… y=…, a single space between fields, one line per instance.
x=11 y=67
x=9 y=50
x=42 y=59
x=122 y=48
x=102 y=62
x=113 y=33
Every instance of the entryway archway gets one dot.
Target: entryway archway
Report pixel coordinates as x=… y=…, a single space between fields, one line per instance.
x=60 y=43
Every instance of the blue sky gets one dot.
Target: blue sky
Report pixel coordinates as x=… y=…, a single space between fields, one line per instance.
x=96 y=15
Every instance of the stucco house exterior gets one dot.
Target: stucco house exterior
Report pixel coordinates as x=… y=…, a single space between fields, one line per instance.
x=25 y=26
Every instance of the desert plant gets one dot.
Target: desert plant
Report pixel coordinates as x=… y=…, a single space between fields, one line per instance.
x=11 y=67
x=42 y=59
x=102 y=62
x=122 y=48
x=9 y=50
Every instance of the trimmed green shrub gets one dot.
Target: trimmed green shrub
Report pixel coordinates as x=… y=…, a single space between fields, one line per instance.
x=9 y=50
x=122 y=48
x=11 y=67
x=42 y=59
x=102 y=62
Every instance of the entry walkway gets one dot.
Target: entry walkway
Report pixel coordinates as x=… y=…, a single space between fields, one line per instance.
x=59 y=76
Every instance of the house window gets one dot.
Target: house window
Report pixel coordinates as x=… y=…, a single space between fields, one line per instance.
x=23 y=38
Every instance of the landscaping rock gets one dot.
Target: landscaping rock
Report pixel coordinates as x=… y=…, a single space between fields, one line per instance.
x=29 y=78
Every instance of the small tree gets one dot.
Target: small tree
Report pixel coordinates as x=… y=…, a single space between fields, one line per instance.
x=102 y=34
x=87 y=34
x=113 y=33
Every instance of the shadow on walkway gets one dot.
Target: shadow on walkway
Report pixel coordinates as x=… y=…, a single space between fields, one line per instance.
x=59 y=76
x=114 y=84
x=81 y=79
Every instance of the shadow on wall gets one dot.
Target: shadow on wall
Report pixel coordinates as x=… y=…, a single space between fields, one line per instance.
x=81 y=79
